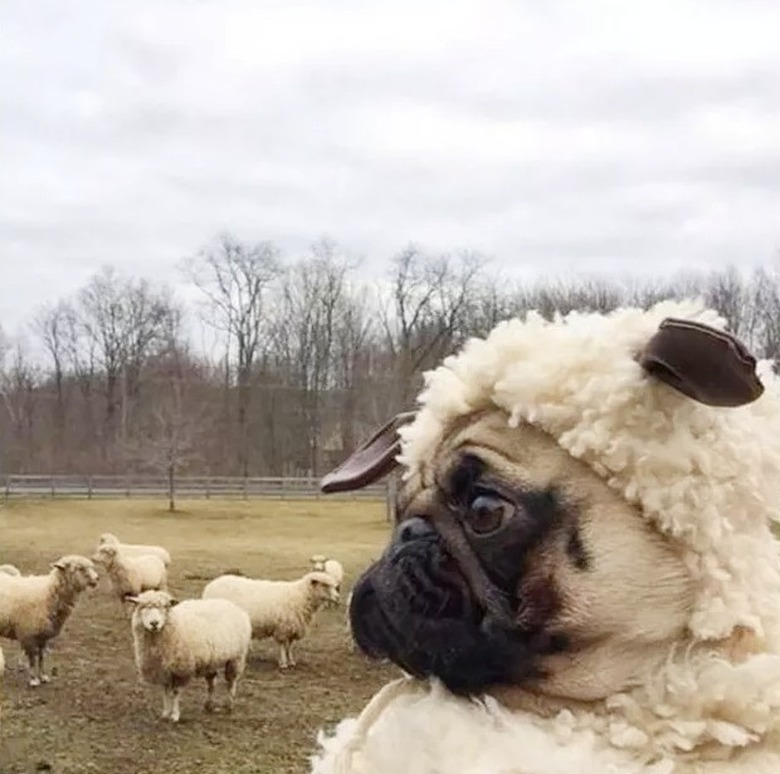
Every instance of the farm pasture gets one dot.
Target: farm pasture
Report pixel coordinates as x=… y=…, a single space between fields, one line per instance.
x=95 y=716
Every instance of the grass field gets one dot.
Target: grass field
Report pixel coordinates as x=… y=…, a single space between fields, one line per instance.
x=95 y=716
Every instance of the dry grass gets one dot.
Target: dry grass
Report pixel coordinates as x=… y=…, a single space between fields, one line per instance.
x=95 y=716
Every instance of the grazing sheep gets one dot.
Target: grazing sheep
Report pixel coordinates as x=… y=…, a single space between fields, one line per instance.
x=279 y=609
x=130 y=575
x=34 y=608
x=176 y=641
x=134 y=549
x=10 y=569
x=318 y=562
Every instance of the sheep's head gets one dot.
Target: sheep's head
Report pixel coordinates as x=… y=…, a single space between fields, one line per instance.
x=322 y=587
x=78 y=572
x=151 y=608
x=105 y=554
x=318 y=562
x=108 y=538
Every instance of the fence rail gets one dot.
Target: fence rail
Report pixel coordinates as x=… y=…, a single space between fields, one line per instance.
x=89 y=487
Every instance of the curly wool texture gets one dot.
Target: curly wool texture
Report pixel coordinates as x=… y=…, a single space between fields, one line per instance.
x=427 y=730
x=36 y=607
x=198 y=638
x=279 y=609
x=707 y=477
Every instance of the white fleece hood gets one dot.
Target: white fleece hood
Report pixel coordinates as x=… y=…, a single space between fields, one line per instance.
x=707 y=477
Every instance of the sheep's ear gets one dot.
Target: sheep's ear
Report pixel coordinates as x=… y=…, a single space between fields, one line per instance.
x=711 y=366
x=59 y=565
x=369 y=462
x=173 y=602
x=131 y=599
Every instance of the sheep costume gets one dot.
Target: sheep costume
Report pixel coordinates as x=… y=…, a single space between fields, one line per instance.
x=706 y=476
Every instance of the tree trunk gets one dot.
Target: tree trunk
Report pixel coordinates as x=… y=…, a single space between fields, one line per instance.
x=171 y=488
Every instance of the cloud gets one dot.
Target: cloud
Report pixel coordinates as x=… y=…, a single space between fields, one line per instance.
x=596 y=134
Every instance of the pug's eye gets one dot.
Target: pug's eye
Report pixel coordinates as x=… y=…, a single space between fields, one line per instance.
x=487 y=513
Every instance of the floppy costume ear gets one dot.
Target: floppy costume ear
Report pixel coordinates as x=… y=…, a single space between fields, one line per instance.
x=369 y=462
x=708 y=365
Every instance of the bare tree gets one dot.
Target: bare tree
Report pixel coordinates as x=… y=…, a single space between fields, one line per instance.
x=314 y=295
x=423 y=317
x=235 y=278
x=123 y=319
x=52 y=326
x=728 y=293
x=169 y=438
x=765 y=307
x=352 y=361
x=19 y=390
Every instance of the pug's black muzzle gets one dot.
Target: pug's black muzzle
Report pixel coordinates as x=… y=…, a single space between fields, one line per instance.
x=415 y=607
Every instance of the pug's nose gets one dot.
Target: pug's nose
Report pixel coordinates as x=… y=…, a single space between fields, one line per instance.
x=414 y=529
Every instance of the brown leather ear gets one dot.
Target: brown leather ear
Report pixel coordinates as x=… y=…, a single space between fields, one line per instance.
x=372 y=460
x=708 y=365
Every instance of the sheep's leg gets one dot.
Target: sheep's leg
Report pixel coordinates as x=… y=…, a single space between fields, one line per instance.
x=175 y=713
x=31 y=651
x=231 y=678
x=290 y=657
x=283 y=663
x=166 y=713
x=210 y=680
x=44 y=678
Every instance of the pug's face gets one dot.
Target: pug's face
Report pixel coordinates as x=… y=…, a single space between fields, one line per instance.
x=513 y=564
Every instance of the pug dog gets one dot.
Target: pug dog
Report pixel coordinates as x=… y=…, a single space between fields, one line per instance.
x=512 y=563
x=524 y=568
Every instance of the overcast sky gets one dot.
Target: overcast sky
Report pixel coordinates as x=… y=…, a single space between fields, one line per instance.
x=607 y=135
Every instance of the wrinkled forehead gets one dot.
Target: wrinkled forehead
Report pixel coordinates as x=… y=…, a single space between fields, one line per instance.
x=523 y=454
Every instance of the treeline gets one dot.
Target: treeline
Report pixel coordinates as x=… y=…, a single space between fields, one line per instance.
x=310 y=355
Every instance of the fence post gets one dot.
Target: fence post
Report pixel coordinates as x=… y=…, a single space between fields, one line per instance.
x=391 y=490
x=51 y=485
x=246 y=494
x=127 y=486
x=89 y=487
x=208 y=487
x=7 y=487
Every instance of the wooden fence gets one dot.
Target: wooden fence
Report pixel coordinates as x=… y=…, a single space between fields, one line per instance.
x=93 y=487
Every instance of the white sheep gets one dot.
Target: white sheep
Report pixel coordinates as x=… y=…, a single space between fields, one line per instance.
x=334 y=568
x=130 y=575
x=176 y=641
x=134 y=549
x=336 y=571
x=10 y=569
x=277 y=608
x=34 y=608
